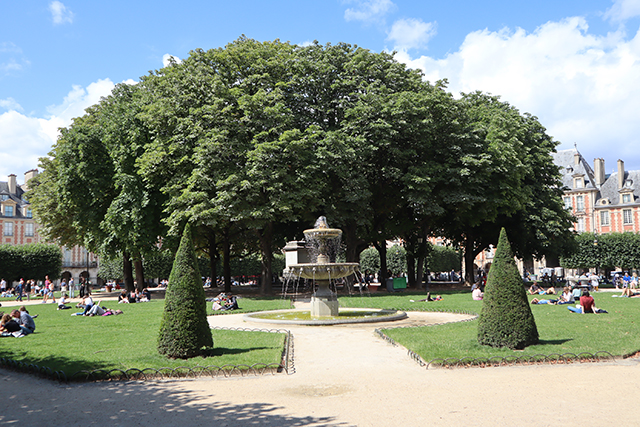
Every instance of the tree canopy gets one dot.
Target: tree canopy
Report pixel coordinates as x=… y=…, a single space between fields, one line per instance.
x=251 y=142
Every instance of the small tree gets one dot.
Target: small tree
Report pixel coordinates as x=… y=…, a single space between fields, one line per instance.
x=506 y=319
x=184 y=331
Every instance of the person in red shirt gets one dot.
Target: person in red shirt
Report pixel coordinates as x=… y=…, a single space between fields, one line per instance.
x=587 y=303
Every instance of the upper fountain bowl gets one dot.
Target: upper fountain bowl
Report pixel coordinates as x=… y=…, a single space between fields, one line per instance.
x=323 y=271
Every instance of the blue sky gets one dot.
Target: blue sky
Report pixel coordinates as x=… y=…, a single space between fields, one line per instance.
x=573 y=64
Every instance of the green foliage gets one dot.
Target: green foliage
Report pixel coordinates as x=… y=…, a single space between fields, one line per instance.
x=185 y=331
x=506 y=319
x=370 y=260
x=32 y=261
x=397 y=259
x=444 y=258
x=608 y=251
x=111 y=267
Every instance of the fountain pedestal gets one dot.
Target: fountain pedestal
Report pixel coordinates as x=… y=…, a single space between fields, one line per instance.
x=324 y=303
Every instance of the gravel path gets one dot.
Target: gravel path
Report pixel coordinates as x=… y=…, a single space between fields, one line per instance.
x=344 y=376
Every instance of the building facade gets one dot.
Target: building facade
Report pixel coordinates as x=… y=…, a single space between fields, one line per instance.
x=18 y=227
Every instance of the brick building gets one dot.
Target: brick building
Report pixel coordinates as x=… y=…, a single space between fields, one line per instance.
x=17 y=227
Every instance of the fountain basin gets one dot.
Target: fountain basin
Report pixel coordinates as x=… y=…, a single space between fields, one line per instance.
x=321 y=271
x=345 y=316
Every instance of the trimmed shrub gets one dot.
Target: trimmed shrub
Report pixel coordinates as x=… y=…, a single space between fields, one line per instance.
x=32 y=261
x=506 y=319
x=184 y=330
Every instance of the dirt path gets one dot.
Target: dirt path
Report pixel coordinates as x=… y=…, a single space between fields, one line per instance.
x=344 y=375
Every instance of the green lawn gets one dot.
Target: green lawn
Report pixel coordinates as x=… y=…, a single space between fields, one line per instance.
x=73 y=343
x=561 y=331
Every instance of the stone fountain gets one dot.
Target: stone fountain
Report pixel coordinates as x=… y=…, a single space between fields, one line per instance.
x=324 y=302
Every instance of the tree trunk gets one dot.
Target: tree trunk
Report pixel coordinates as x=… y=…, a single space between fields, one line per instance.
x=420 y=272
x=226 y=260
x=139 y=274
x=411 y=270
x=213 y=257
x=469 y=256
x=266 y=254
x=382 y=250
x=128 y=272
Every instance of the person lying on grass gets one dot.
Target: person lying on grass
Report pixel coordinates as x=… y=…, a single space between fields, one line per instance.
x=629 y=293
x=544 y=301
x=587 y=305
x=96 y=310
x=537 y=289
x=428 y=298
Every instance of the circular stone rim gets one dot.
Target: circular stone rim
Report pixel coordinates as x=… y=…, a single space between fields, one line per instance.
x=320 y=321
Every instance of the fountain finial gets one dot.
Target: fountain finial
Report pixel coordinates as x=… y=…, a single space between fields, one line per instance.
x=321 y=222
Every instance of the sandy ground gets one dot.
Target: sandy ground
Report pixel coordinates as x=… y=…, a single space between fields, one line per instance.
x=344 y=376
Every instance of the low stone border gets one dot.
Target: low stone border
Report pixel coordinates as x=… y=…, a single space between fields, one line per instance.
x=483 y=362
x=285 y=365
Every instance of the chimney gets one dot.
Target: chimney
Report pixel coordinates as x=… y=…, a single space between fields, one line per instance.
x=13 y=184
x=27 y=176
x=598 y=166
x=620 y=174
x=576 y=159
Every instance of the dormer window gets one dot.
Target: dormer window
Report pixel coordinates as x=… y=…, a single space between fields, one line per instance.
x=627 y=198
x=578 y=182
x=8 y=211
x=4 y=197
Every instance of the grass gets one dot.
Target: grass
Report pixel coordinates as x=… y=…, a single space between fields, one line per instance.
x=561 y=331
x=73 y=343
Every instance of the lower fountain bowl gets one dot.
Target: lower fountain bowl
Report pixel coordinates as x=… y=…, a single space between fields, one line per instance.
x=345 y=316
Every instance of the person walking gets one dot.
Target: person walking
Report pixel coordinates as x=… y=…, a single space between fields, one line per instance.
x=19 y=290
x=72 y=288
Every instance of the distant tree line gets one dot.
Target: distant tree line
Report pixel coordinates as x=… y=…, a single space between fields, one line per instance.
x=31 y=261
x=250 y=143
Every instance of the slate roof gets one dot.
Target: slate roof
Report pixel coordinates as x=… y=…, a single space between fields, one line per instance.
x=565 y=159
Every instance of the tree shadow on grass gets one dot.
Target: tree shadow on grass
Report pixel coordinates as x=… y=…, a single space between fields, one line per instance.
x=220 y=351
x=554 y=342
x=155 y=403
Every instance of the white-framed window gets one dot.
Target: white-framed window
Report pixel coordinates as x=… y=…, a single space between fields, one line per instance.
x=567 y=203
x=8 y=229
x=28 y=213
x=626 y=198
x=8 y=211
x=580 y=203
x=627 y=217
x=28 y=229
x=581 y=225
x=578 y=182
x=604 y=217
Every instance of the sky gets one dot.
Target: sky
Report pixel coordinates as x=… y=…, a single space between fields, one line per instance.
x=574 y=64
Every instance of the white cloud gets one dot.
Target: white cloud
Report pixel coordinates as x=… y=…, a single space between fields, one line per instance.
x=623 y=10
x=24 y=139
x=369 y=11
x=59 y=13
x=584 y=88
x=411 y=33
x=11 y=58
x=166 y=59
x=10 y=104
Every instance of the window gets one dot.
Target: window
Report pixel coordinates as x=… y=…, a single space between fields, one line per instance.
x=578 y=183
x=4 y=197
x=626 y=216
x=567 y=203
x=580 y=225
x=580 y=203
x=604 y=217
x=8 y=229
x=8 y=211
x=28 y=230
x=28 y=213
x=626 y=198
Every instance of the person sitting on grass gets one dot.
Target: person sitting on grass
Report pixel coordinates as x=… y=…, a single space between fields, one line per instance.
x=537 y=289
x=587 y=305
x=123 y=298
x=566 y=297
x=8 y=325
x=27 y=325
x=477 y=294
x=62 y=301
x=87 y=303
x=544 y=301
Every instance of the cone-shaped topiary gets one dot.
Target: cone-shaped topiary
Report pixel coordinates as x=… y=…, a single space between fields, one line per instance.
x=506 y=319
x=184 y=331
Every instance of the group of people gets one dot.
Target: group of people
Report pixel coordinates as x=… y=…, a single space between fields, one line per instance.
x=17 y=323
x=224 y=302
x=568 y=296
x=134 y=296
x=91 y=309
